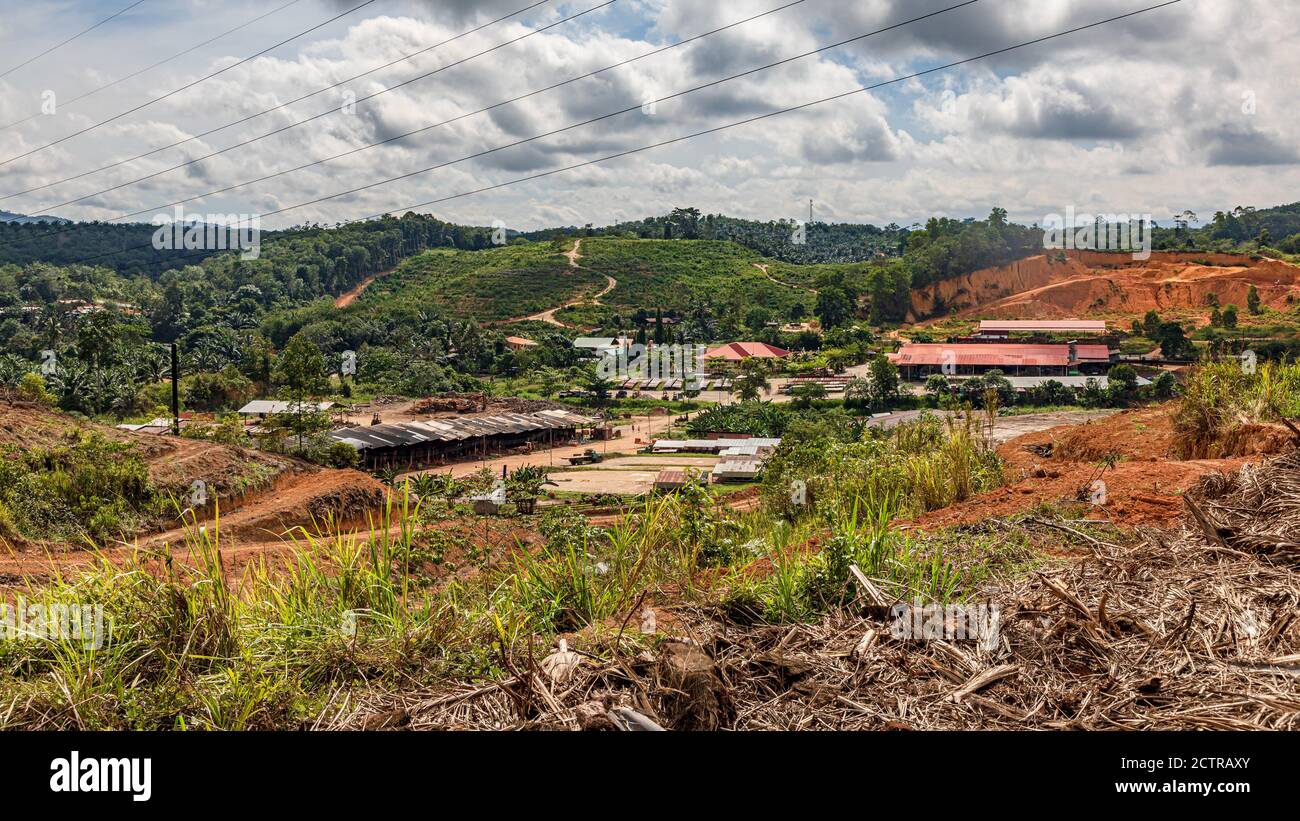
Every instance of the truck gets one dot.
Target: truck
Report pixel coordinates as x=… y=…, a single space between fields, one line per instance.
x=588 y=457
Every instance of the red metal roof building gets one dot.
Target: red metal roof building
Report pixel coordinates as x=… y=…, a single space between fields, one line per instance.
x=1011 y=359
x=1071 y=326
x=736 y=351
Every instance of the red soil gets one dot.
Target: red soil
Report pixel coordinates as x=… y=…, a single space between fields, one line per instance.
x=1093 y=284
x=1144 y=487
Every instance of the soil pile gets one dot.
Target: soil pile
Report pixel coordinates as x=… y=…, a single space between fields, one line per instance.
x=1144 y=485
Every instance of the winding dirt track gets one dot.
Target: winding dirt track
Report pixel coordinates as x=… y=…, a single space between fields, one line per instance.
x=548 y=316
x=763 y=267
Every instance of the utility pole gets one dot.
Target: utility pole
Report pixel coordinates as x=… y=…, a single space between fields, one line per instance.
x=810 y=212
x=176 y=392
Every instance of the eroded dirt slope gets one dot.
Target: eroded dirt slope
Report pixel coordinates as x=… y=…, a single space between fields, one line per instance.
x=1057 y=467
x=257 y=494
x=173 y=462
x=1096 y=284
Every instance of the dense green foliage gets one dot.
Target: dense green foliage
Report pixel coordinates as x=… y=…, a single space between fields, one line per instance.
x=1242 y=229
x=86 y=489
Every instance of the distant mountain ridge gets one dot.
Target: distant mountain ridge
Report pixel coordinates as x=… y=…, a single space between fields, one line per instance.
x=9 y=216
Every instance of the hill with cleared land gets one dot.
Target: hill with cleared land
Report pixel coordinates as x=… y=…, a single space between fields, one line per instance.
x=492 y=284
x=672 y=273
x=1089 y=283
x=527 y=280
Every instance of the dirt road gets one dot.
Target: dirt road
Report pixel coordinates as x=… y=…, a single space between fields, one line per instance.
x=344 y=300
x=763 y=267
x=548 y=316
x=642 y=429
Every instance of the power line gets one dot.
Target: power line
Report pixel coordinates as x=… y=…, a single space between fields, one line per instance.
x=332 y=110
x=211 y=131
x=70 y=39
x=149 y=68
x=771 y=114
x=612 y=114
x=715 y=129
x=394 y=138
x=184 y=87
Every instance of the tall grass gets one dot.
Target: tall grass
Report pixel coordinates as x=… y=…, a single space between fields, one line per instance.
x=189 y=649
x=583 y=576
x=799 y=583
x=916 y=467
x=1220 y=397
x=195 y=646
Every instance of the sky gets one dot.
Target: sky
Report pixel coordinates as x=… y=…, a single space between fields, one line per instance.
x=1188 y=107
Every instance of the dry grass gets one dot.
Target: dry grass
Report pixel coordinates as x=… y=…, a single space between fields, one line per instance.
x=1192 y=629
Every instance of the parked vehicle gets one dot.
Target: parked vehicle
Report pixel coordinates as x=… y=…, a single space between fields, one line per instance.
x=588 y=457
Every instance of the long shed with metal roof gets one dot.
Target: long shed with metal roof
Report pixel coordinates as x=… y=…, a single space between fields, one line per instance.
x=439 y=441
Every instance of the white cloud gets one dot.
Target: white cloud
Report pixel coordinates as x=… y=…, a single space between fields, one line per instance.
x=1147 y=114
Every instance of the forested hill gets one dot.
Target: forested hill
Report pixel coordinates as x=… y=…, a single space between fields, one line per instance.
x=1275 y=228
x=344 y=250
x=125 y=247
x=941 y=248
x=784 y=240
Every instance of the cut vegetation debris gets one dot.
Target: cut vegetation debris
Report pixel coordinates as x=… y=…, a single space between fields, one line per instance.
x=1196 y=629
x=701 y=612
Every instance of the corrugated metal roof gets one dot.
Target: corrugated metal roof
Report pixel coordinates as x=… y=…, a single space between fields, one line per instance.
x=738 y=468
x=671 y=476
x=1082 y=325
x=715 y=445
x=458 y=429
x=993 y=355
x=740 y=450
x=260 y=406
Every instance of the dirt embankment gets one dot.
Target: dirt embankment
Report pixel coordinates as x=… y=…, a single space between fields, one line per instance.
x=1090 y=283
x=342 y=498
x=256 y=493
x=173 y=463
x=1061 y=466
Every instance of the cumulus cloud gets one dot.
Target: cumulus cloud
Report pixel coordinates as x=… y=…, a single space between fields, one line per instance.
x=1242 y=146
x=1188 y=106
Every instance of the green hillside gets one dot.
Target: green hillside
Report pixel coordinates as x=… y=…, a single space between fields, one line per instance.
x=487 y=285
x=518 y=280
x=671 y=274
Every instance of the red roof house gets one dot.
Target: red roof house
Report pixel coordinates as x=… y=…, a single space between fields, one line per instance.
x=736 y=351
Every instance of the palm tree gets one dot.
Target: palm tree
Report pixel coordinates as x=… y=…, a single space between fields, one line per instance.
x=752 y=382
x=550 y=380
x=71 y=382
x=148 y=364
